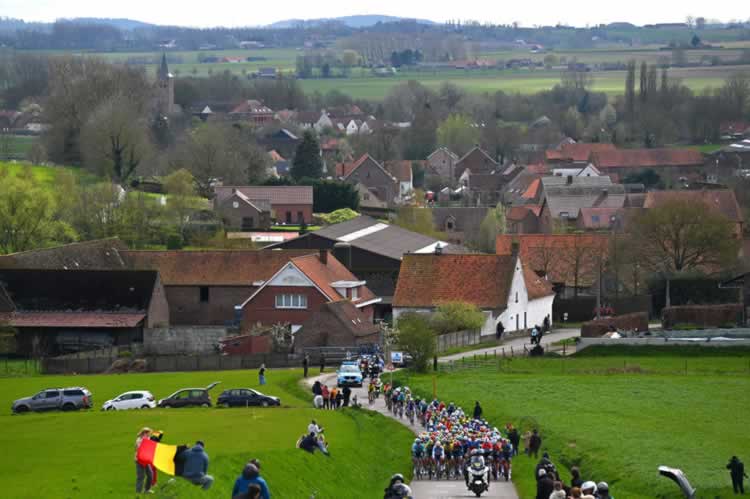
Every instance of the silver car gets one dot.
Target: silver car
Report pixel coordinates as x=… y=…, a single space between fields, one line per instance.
x=50 y=399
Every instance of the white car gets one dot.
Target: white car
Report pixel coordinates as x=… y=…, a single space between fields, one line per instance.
x=139 y=399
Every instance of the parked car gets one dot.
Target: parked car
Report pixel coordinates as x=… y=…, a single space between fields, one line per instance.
x=243 y=397
x=189 y=397
x=50 y=399
x=139 y=399
x=349 y=374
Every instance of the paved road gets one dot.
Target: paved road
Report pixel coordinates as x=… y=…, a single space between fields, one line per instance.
x=517 y=344
x=424 y=489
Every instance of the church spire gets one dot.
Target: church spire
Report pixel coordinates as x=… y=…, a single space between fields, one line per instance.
x=163 y=72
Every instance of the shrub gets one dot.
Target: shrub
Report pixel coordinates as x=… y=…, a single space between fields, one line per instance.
x=174 y=242
x=415 y=336
x=338 y=216
x=457 y=316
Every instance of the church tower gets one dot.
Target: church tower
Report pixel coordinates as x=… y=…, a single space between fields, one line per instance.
x=164 y=88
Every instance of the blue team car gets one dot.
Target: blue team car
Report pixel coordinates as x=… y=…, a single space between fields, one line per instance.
x=349 y=374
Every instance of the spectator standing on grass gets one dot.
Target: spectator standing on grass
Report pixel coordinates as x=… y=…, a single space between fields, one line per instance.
x=347 y=395
x=332 y=397
x=514 y=438
x=305 y=365
x=326 y=395
x=527 y=443
x=545 y=323
x=477 y=410
x=535 y=443
x=339 y=399
x=544 y=464
x=322 y=362
x=196 y=466
x=545 y=486
x=251 y=476
x=317 y=388
x=143 y=474
x=737 y=473
x=262 y=375
x=575 y=480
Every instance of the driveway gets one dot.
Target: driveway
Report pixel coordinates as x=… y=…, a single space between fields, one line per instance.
x=423 y=489
x=517 y=344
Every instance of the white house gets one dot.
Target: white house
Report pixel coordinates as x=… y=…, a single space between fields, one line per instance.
x=352 y=128
x=582 y=171
x=507 y=292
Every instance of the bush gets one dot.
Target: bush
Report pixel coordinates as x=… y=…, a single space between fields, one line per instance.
x=174 y=242
x=457 y=316
x=415 y=336
x=125 y=354
x=338 y=216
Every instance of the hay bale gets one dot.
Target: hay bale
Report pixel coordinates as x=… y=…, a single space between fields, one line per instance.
x=120 y=366
x=138 y=366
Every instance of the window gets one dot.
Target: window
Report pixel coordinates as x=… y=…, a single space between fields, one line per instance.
x=72 y=393
x=516 y=296
x=204 y=294
x=247 y=223
x=235 y=204
x=300 y=217
x=595 y=219
x=288 y=217
x=52 y=395
x=291 y=301
x=564 y=214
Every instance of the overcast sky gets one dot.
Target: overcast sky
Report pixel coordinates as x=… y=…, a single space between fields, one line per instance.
x=261 y=12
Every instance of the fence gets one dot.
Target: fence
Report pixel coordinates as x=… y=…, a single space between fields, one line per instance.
x=494 y=358
x=113 y=352
x=581 y=309
x=458 y=339
x=18 y=367
x=214 y=362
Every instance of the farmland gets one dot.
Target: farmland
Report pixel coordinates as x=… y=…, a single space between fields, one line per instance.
x=89 y=454
x=363 y=85
x=618 y=416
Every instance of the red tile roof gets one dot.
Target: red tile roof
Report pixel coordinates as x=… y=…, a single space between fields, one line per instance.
x=558 y=255
x=325 y=274
x=646 y=158
x=536 y=287
x=428 y=280
x=720 y=200
x=71 y=319
x=532 y=191
x=279 y=194
x=275 y=156
x=578 y=152
x=518 y=213
x=343 y=170
x=400 y=169
x=212 y=268
x=538 y=169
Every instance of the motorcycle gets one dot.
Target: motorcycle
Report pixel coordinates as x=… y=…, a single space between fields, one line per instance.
x=478 y=479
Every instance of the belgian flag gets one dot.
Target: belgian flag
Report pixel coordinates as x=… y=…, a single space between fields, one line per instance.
x=161 y=456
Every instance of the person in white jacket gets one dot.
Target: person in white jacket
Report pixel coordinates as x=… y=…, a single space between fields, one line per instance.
x=558 y=493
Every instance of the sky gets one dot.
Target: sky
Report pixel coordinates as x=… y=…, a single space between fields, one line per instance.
x=260 y=12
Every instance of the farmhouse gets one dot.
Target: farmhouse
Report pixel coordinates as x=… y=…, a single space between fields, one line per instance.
x=375 y=178
x=442 y=162
x=475 y=161
x=499 y=285
x=564 y=197
x=288 y=204
x=668 y=163
x=575 y=154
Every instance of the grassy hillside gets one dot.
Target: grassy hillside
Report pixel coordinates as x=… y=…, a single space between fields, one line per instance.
x=618 y=418
x=90 y=454
x=46 y=174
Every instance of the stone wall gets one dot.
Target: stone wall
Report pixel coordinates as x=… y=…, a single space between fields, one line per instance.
x=183 y=340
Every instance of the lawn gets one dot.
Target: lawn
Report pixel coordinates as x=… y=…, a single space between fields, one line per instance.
x=16 y=146
x=89 y=454
x=47 y=174
x=618 y=417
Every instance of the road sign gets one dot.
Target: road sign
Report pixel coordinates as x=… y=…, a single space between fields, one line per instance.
x=397 y=357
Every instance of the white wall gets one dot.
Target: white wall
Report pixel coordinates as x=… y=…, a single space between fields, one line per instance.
x=529 y=312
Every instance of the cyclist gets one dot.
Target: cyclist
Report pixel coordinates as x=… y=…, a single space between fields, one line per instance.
x=417 y=456
x=438 y=457
x=410 y=410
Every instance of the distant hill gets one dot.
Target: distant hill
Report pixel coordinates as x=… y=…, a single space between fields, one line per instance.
x=363 y=21
x=123 y=24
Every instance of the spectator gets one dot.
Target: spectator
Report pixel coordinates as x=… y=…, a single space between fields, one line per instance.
x=308 y=443
x=544 y=485
x=477 y=410
x=347 y=395
x=575 y=480
x=514 y=438
x=535 y=443
x=339 y=399
x=737 y=473
x=317 y=388
x=251 y=476
x=322 y=362
x=305 y=365
x=527 y=443
x=543 y=464
x=196 y=466
x=545 y=324
x=253 y=492
x=558 y=493
x=575 y=493
x=588 y=489
x=143 y=473
x=314 y=428
x=262 y=375
x=326 y=395
x=332 y=396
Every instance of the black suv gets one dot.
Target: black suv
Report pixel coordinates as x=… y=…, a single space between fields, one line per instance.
x=245 y=397
x=189 y=397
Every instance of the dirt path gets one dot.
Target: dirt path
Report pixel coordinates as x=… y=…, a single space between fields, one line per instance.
x=423 y=489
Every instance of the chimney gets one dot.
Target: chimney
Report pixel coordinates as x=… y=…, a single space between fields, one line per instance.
x=234 y=190
x=324 y=257
x=569 y=180
x=438 y=249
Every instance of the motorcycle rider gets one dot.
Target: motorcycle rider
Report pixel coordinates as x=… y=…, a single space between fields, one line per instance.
x=397 y=489
x=477 y=462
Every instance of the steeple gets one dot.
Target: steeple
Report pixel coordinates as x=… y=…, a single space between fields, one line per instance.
x=163 y=71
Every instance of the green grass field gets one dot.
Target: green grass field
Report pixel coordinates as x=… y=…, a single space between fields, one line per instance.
x=16 y=146
x=618 y=416
x=46 y=174
x=90 y=454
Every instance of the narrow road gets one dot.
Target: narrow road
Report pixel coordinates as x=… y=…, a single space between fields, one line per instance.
x=517 y=344
x=423 y=489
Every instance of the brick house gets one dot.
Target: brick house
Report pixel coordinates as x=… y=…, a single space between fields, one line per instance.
x=300 y=287
x=289 y=204
x=670 y=164
x=442 y=162
x=203 y=287
x=240 y=213
x=522 y=219
x=401 y=170
x=64 y=310
x=252 y=111
x=476 y=161
x=336 y=324
x=499 y=285
x=372 y=175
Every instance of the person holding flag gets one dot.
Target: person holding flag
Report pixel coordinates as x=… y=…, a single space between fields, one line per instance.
x=143 y=472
